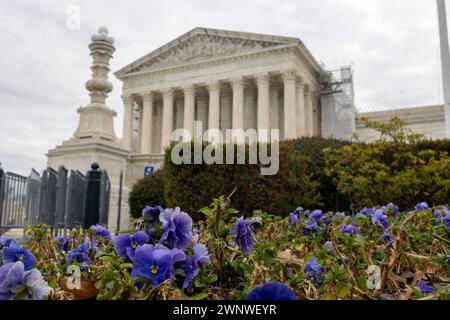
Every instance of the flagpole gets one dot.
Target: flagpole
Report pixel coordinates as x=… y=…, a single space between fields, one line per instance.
x=445 y=61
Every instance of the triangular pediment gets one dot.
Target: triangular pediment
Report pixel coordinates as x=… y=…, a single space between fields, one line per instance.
x=200 y=44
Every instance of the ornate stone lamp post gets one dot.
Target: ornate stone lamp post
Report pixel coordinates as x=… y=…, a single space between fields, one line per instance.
x=96 y=119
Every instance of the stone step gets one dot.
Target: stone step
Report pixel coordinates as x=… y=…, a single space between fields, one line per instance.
x=16 y=233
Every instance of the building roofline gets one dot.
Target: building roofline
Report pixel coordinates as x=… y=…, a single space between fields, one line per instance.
x=209 y=31
x=399 y=111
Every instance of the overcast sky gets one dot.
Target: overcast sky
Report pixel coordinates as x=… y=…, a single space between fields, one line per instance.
x=392 y=44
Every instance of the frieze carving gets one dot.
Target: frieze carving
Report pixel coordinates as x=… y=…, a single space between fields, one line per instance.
x=202 y=46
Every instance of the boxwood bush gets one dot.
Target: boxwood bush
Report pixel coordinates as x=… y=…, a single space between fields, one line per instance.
x=399 y=167
x=301 y=180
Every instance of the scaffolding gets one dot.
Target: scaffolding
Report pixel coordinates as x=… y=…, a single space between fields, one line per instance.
x=337 y=103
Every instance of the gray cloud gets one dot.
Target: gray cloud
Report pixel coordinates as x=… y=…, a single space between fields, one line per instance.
x=392 y=45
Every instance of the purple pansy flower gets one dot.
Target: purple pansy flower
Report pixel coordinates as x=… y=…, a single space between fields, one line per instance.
x=60 y=240
x=191 y=264
x=328 y=245
x=152 y=213
x=350 y=229
x=15 y=282
x=314 y=269
x=311 y=226
x=126 y=244
x=391 y=208
x=443 y=216
x=294 y=218
x=244 y=236
x=316 y=215
x=16 y=252
x=425 y=288
x=6 y=242
x=80 y=255
x=367 y=212
x=68 y=244
x=156 y=263
x=101 y=231
x=379 y=217
x=422 y=206
x=177 y=226
x=271 y=292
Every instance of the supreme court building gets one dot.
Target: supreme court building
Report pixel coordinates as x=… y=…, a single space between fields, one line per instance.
x=226 y=80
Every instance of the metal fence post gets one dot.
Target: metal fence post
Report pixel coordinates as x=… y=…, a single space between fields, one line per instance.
x=61 y=194
x=32 y=203
x=105 y=192
x=93 y=182
x=75 y=201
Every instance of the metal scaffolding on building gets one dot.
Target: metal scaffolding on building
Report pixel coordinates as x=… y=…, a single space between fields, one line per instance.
x=337 y=101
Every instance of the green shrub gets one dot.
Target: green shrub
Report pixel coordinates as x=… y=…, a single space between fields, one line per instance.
x=400 y=167
x=301 y=181
x=148 y=191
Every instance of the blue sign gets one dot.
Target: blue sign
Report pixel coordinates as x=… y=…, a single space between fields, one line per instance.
x=148 y=170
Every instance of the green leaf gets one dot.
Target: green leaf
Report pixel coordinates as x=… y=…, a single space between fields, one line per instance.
x=200 y=296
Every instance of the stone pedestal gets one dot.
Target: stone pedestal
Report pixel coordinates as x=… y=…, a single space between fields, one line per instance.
x=95 y=139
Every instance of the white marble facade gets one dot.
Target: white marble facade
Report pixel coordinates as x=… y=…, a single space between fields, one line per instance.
x=428 y=121
x=228 y=80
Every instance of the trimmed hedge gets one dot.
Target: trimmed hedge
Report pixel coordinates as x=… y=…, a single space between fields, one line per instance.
x=392 y=172
x=301 y=180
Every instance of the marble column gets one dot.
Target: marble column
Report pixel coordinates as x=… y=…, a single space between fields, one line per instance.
x=226 y=102
x=290 y=102
x=309 y=114
x=263 y=112
x=238 y=104
x=178 y=122
x=214 y=105
x=189 y=109
x=274 y=108
x=147 y=122
x=202 y=111
x=301 y=130
x=167 y=118
x=250 y=110
x=127 y=122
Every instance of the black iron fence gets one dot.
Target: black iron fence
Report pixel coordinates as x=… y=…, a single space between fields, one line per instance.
x=60 y=199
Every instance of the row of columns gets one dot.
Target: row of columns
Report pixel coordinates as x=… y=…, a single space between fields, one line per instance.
x=298 y=115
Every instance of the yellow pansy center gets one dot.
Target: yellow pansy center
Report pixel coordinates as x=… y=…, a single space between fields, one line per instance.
x=154 y=270
x=134 y=245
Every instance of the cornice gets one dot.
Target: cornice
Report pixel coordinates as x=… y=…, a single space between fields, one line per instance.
x=89 y=145
x=402 y=111
x=427 y=114
x=206 y=62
